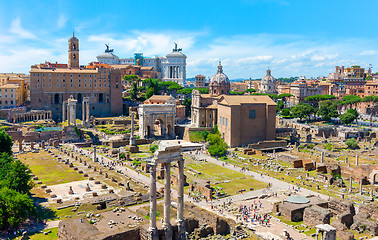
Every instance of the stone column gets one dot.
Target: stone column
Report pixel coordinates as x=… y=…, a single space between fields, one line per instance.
x=43 y=144
x=152 y=231
x=167 y=202
x=132 y=138
x=87 y=105
x=64 y=111
x=73 y=112
x=351 y=188
x=361 y=186
x=322 y=157
x=346 y=159
x=180 y=201
x=20 y=146
x=94 y=154
x=68 y=113
x=356 y=160
x=83 y=112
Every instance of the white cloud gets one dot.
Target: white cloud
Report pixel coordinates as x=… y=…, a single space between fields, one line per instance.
x=62 y=20
x=17 y=29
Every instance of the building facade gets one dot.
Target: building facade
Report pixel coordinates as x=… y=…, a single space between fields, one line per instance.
x=172 y=67
x=51 y=86
x=200 y=81
x=246 y=119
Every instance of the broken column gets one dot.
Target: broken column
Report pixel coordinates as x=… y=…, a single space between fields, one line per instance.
x=132 y=138
x=94 y=154
x=20 y=146
x=361 y=186
x=152 y=230
x=351 y=187
x=356 y=160
x=322 y=157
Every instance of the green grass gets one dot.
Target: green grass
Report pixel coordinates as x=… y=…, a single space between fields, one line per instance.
x=41 y=236
x=196 y=137
x=216 y=173
x=49 y=170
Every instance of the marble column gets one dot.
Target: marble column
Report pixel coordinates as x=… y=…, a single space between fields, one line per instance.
x=167 y=202
x=132 y=138
x=152 y=231
x=356 y=160
x=94 y=154
x=20 y=146
x=73 y=112
x=87 y=105
x=346 y=159
x=68 y=114
x=64 y=111
x=83 y=103
x=351 y=187
x=322 y=157
x=180 y=201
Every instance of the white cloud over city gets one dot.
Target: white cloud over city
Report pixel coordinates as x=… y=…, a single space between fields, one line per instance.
x=242 y=56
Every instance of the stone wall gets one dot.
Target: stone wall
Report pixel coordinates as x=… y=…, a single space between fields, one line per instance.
x=316 y=215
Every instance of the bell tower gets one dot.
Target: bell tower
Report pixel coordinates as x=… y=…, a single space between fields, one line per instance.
x=73 y=52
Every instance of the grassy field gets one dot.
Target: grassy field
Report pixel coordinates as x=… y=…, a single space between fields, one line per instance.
x=218 y=174
x=48 y=170
x=41 y=236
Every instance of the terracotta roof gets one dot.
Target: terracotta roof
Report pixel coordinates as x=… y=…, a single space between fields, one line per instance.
x=245 y=99
x=160 y=97
x=64 y=70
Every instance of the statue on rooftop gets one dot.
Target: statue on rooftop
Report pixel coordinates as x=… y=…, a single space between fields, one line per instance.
x=107 y=50
x=177 y=49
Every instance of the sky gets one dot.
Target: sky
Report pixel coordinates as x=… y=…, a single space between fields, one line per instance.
x=291 y=37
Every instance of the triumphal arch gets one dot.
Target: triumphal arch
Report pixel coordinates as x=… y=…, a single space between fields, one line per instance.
x=157 y=120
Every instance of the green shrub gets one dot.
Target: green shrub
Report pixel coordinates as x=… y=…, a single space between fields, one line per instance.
x=352 y=143
x=153 y=148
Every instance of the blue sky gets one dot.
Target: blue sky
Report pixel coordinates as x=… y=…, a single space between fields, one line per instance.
x=291 y=37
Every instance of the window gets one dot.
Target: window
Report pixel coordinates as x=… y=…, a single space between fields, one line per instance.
x=57 y=75
x=11 y=101
x=226 y=122
x=252 y=113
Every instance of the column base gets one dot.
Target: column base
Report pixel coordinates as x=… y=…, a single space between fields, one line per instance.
x=181 y=230
x=167 y=231
x=152 y=233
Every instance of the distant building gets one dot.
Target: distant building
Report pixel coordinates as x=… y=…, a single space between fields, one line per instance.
x=14 y=80
x=219 y=83
x=200 y=81
x=371 y=88
x=50 y=86
x=239 y=86
x=11 y=95
x=268 y=83
x=172 y=67
x=301 y=89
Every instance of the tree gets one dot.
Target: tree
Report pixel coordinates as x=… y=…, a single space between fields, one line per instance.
x=217 y=146
x=302 y=111
x=14 y=174
x=327 y=110
x=347 y=118
x=188 y=106
x=280 y=105
x=5 y=142
x=15 y=208
x=204 y=134
x=250 y=90
x=315 y=99
x=352 y=143
x=351 y=100
x=285 y=113
x=150 y=92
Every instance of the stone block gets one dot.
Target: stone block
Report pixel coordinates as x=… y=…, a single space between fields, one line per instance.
x=316 y=215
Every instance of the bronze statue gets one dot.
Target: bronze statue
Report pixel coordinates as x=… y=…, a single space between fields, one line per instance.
x=107 y=50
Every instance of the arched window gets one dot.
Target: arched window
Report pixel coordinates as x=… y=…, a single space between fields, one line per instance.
x=100 y=98
x=56 y=99
x=74 y=56
x=74 y=47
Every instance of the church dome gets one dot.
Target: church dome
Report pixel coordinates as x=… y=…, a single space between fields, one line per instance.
x=268 y=78
x=219 y=77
